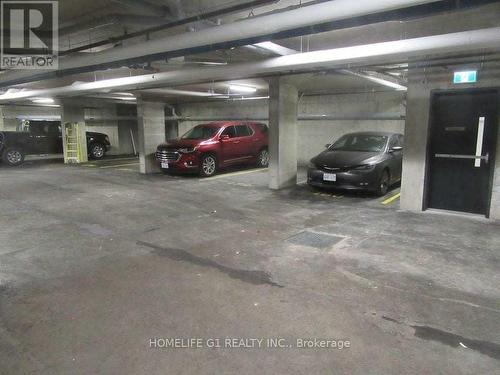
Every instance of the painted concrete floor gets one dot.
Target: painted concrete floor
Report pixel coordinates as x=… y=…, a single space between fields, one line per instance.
x=97 y=260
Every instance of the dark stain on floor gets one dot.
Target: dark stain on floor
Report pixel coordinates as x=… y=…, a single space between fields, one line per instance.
x=455 y=341
x=391 y=320
x=251 y=277
x=485 y=347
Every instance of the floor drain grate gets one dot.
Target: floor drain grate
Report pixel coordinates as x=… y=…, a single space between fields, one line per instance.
x=313 y=239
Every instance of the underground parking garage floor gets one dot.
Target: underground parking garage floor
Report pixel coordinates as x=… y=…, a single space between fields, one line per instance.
x=101 y=267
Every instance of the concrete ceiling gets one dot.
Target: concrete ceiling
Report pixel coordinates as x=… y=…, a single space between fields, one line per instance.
x=77 y=12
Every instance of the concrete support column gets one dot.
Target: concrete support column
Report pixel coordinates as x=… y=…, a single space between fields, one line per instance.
x=2 y=126
x=283 y=103
x=73 y=111
x=151 y=126
x=415 y=148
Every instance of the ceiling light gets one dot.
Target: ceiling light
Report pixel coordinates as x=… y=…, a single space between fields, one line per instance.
x=387 y=83
x=43 y=100
x=377 y=79
x=276 y=48
x=242 y=88
x=251 y=98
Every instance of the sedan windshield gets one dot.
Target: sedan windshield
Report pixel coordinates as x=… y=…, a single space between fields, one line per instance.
x=360 y=143
x=201 y=132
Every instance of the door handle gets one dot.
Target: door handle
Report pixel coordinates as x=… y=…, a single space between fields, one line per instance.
x=486 y=157
x=479 y=142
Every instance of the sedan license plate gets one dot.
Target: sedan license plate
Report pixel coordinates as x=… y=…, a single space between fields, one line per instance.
x=329 y=177
x=164 y=165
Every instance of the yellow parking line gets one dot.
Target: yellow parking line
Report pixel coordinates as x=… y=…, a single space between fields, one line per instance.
x=231 y=174
x=118 y=165
x=391 y=199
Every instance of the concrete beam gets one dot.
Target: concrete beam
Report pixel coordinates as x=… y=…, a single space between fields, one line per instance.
x=151 y=126
x=283 y=105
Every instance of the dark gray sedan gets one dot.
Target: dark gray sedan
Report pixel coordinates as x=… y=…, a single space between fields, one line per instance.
x=370 y=161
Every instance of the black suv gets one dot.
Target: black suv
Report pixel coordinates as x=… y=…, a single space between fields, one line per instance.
x=44 y=137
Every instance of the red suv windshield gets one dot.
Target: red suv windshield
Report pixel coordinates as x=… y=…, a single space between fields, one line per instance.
x=201 y=132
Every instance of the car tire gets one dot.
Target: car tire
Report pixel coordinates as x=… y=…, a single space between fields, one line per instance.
x=208 y=165
x=263 y=158
x=97 y=151
x=13 y=156
x=383 y=183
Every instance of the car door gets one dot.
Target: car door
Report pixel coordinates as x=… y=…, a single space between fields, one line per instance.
x=244 y=138
x=229 y=145
x=396 y=157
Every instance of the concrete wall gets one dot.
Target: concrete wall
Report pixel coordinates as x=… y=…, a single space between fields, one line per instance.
x=127 y=128
x=99 y=117
x=312 y=134
x=421 y=85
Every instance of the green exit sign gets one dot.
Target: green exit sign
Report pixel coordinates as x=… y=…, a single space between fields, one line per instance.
x=465 y=77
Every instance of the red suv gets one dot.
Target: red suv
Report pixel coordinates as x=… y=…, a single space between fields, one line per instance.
x=209 y=147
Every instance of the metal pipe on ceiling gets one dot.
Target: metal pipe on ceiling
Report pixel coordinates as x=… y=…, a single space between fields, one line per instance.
x=109 y=19
x=377 y=53
x=245 y=32
x=301 y=117
x=172 y=24
x=146 y=7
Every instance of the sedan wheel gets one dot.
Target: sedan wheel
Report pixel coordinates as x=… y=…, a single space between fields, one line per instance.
x=208 y=166
x=383 y=185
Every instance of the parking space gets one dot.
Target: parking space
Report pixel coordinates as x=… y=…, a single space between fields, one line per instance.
x=227 y=257
x=127 y=164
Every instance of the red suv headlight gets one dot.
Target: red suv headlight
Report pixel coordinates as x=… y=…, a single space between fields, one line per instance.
x=187 y=150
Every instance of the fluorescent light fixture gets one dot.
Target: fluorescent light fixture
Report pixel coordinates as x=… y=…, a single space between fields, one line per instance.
x=242 y=88
x=373 y=78
x=276 y=48
x=251 y=98
x=170 y=92
x=39 y=118
x=43 y=100
x=387 y=83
